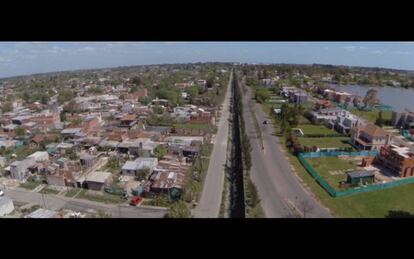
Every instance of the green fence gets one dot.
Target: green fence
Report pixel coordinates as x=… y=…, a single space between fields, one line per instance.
x=335 y=193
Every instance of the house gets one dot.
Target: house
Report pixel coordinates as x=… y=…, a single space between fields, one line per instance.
x=323 y=104
x=166 y=181
x=403 y=120
x=6 y=206
x=71 y=133
x=59 y=177
x=128 y=120
x=328 y=114
x=298 y=97
x=37 y=140
x=160 y=102
x=360 y=177
x=341 y=97
x=344 y=123
x=267 y=82
x=130 y=168
x=97 y=180
x=370 y=137
x=87 y=160
x=63 y=147
x=19 y=169
x=201 y=82
x=40 y=156
x=201 y=116
x=398 y=159
x=182 y=86
x=191 y=151
x=133 y=168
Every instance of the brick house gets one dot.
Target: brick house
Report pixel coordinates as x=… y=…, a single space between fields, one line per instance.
x=398 y=159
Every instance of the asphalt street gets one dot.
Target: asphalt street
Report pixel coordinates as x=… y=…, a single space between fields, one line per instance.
x=54 y=202
x=280 y=190
x=210 y=201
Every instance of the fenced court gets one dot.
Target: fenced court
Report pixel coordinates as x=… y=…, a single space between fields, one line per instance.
x=351 y=191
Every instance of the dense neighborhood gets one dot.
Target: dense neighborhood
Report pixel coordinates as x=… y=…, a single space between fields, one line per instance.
x=205 y=140
x=141 y=136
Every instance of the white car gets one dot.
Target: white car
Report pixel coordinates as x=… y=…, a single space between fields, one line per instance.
x=1 y=193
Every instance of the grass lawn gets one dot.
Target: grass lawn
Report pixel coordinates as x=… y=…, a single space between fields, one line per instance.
x=315 y=129
x=335 y=142
x=372 y=115
x=105 y=197
x=72 y=192
x=375 y=204
x=29 y=185
x=48 y=191
x=324 y=165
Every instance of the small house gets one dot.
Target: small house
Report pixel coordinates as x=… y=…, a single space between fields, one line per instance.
x=97 y=180
x=360 y=177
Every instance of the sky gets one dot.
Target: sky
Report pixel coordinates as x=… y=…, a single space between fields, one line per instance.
x=23 y=58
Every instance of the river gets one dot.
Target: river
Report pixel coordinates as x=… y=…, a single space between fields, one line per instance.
x=397 y=97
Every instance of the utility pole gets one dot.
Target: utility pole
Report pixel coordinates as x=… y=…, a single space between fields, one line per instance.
x=43 y=199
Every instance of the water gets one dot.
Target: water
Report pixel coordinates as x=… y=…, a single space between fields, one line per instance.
x=397 y=97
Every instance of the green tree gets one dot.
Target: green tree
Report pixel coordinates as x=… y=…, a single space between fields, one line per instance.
x=145 y=100
x=62 y=116
x=178 y=210
x=7 y=107
x=379 y=121
x=136 y=80
x=160 y=151
x=20 y=132
x=134 y=89
x=262 y=95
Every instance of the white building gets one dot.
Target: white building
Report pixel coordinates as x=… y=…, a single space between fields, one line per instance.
x=40 y=156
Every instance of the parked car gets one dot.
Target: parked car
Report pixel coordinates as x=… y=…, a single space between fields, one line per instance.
x=135 y=200
x=1 y=193
x=264 y=122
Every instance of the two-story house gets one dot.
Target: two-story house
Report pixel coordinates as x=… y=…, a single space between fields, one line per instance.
x=370 y=137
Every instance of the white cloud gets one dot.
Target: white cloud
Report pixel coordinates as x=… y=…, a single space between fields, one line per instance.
x=5 y=59
x=377 y=52
x=350 y=48
x=398 y=52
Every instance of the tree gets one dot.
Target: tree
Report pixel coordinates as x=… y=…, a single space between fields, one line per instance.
x=44 y=99
x=134 y=89
x=145 y=100
x=379 y=121
x=64 y=96
x=160 y=151
x=20 y=132
x=178 y=210
x=262 y=95
x=209 y=83
x=7 y=107
x=370 y=98
x=62 y=116
x=136 y=80
x=158 y=109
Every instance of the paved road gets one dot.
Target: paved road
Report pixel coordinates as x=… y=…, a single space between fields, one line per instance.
x=209 y=205
x=279 y=188
x=54 y=202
